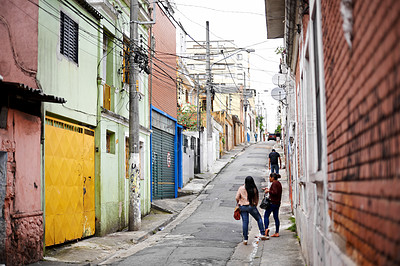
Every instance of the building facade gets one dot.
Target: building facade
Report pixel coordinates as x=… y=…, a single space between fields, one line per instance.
x=230 y=93
x=166 y=138
x=341 y=127
x=82 y=55
x=21 y=135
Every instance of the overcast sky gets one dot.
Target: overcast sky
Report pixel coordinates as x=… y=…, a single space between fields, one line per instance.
x=243 y=22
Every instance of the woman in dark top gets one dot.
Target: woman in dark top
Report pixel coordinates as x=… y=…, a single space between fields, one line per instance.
x=275 y=196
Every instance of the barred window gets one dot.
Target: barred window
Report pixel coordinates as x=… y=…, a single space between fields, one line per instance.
x=69 y=38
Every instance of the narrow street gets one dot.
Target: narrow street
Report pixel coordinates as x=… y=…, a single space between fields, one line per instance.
x=127 y=127
x=205 y=233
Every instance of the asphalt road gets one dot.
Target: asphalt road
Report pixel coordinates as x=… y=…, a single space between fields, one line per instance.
x=205 y=233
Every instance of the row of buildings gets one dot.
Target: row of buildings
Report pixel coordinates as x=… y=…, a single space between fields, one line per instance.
x=341 y=124
x=64 y=128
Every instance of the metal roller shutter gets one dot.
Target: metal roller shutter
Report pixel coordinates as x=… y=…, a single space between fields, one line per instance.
x=163 y=160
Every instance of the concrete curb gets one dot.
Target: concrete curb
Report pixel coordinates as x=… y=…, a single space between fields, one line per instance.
x=157 y=228
x=159 y=208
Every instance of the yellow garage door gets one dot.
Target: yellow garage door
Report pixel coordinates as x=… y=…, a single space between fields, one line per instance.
x=69 y=181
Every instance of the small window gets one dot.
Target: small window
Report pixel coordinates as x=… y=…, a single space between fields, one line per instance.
x=317 y=90
x=110 y=142
x=239 y=57
x=192 y=143
x=199 y=57
x=219 y=66
x=202 y=76
x=203 y=105
x=69 y=38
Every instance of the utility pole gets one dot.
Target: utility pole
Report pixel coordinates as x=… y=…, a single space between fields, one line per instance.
x=198 y=156
x=245 y=102
x=152 y=49
x=198 y=103
x=245 y=108
x=208 y=99
x=134 y=170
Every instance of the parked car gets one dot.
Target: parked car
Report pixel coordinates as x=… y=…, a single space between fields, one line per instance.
x=272 y=136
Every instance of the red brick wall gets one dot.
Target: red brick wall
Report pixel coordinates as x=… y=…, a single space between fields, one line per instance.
x=363 y=128
x=164 y=96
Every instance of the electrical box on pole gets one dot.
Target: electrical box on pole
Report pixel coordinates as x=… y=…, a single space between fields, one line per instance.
x=134 y=170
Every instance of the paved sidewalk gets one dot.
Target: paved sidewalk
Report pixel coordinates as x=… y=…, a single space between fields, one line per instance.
x=285 y=249
x=95 y=250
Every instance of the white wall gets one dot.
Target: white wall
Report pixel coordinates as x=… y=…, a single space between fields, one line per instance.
x=188 y=157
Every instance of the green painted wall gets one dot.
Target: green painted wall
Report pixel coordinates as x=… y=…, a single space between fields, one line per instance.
x=82 y=86
x=60 y=76
x=112 y=204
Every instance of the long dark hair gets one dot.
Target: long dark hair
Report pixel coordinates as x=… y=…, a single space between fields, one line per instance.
x=251 y=189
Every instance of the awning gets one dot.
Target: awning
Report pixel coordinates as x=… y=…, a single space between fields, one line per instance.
x=275 y=15
x=28 y=93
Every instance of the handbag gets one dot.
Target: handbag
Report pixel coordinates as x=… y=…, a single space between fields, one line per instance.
x=265 y=203
x=236 y=213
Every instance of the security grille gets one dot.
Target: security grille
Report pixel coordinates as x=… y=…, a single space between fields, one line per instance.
x=163 y=162
x=69 y=38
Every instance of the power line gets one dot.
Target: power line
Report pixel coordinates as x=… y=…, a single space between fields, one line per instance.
x=116 y=41
x=223 y=11
x=180 y=25
x=57 y=18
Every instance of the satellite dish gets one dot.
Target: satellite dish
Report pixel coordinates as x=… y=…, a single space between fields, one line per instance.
x=279 y=79
x=278 y=94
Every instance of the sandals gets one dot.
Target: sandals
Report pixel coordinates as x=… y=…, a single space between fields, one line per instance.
x=275 y=235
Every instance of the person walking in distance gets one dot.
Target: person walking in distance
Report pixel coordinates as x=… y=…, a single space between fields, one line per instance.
x=273 y=162
x=275 y=196
x=247 y=199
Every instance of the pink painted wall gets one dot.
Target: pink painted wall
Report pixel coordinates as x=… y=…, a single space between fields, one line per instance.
x=27 y=157
x=23 y=218
x=19 y=41
x=22 y=204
